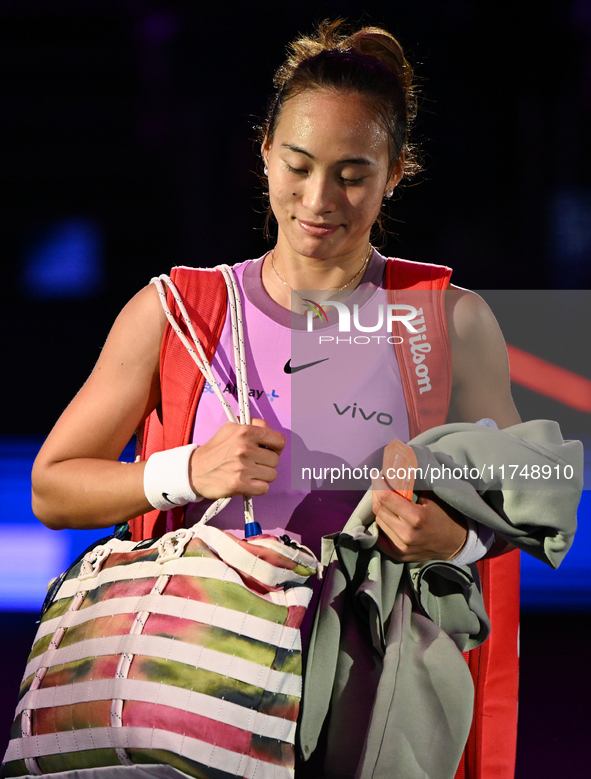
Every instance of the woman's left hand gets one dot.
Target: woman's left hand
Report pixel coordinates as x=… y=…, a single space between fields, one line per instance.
x=414 y=532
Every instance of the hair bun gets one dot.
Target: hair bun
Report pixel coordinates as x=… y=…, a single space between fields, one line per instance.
x=379 y=44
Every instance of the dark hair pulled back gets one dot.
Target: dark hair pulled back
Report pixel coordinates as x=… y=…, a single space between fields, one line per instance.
x=369 y=61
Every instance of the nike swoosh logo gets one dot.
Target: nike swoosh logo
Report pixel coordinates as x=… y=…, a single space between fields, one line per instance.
x=165 y=496
x=287 y=368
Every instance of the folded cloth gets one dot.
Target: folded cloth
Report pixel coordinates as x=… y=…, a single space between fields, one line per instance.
x=402 y=652
x=524 y=482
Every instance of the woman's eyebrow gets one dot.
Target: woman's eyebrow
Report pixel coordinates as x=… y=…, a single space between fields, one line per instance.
x=298 y=150
x=347 y=161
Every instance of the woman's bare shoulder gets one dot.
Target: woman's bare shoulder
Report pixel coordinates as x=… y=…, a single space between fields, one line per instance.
x=467 y=310
x=481 y=385
x=136 y=334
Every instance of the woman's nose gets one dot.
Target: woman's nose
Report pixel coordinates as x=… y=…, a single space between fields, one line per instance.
x=319 y=196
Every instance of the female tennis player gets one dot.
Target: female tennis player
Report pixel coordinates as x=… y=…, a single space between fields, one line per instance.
x=335 y=145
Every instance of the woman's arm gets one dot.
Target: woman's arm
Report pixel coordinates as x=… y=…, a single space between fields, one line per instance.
x=481 y=388
x=77 y=480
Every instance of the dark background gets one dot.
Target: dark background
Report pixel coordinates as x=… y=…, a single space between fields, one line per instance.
x=137 y=118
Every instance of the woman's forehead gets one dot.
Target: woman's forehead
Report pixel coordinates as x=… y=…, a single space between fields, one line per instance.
x=343 y=121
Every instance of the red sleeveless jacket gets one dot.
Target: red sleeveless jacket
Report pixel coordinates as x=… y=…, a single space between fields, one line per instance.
x=491 y=746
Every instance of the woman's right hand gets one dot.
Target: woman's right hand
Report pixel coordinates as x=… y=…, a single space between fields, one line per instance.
x=237 y=460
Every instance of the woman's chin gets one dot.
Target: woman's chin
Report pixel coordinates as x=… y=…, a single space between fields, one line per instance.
x=320 y=247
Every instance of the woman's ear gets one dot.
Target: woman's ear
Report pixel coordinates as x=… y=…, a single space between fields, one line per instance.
x=265 y=148
x=397 y=173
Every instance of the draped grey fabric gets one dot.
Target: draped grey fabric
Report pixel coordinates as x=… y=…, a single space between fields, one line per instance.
x=391 y=681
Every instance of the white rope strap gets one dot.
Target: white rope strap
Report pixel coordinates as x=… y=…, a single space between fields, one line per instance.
x=238 y=343
x=239 y=362
x=198 y=355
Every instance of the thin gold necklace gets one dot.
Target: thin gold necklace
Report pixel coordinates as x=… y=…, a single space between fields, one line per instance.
x=337 y=289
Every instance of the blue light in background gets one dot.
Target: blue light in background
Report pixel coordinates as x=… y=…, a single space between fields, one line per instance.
x=65 y=262
x=32 y=554
x=568 y=588
x=570 y=236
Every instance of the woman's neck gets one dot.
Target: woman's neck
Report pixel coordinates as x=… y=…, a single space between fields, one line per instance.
x=283 y=275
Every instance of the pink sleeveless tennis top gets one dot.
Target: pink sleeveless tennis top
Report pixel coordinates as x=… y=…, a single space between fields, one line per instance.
x=335 y=394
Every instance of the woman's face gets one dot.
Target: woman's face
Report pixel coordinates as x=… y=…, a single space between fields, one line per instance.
x=328 y=170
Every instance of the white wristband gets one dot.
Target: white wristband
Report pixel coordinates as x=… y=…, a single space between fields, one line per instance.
x=166 y=478
x=478 y=542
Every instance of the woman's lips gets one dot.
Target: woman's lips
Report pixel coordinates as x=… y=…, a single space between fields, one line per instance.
x=318 y=228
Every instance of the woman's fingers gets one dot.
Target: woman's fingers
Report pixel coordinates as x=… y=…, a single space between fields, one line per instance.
x=237 y=460
x=270 y=439
x=426 y=530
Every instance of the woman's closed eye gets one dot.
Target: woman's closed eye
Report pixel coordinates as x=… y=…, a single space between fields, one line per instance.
x=297 y=171
x=352 y=182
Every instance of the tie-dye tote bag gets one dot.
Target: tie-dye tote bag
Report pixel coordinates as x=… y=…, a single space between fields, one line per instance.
x=183 y=650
